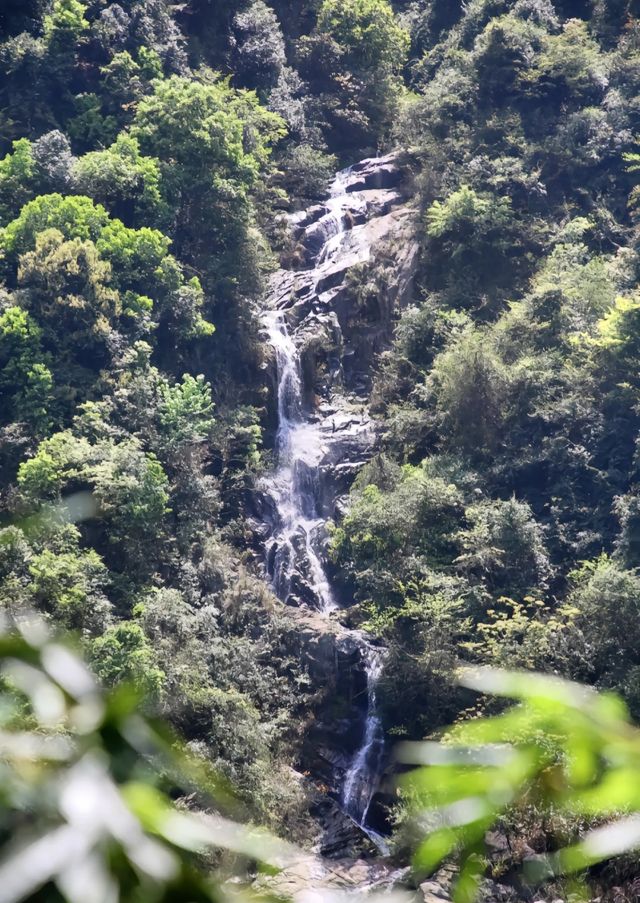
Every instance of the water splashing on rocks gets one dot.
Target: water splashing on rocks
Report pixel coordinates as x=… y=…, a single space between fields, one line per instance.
x=324 y=433
x=300 y=534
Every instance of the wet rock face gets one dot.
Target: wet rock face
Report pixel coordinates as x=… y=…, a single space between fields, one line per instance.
x=328 y=312
x=334 y=658
x=336 y=667
x=377 y=172
x=367 y=223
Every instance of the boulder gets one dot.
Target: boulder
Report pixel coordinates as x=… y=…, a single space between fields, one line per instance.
x=375 y=173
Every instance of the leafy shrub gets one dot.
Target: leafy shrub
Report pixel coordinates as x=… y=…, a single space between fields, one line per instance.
x=488 y=767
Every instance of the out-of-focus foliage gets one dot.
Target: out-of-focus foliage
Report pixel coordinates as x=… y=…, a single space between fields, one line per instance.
x=89 y=784
x=563 y=750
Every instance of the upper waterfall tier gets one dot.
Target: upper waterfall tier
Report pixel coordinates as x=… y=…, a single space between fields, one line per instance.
x=322 y=344
x=314 y=328
x=366 y=208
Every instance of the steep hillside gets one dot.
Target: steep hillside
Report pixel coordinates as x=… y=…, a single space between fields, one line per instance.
x=330 y=303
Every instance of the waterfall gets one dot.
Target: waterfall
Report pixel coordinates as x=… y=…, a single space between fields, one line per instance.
x=334 y=236
x=300 y=532
x=358 y=789
x=363 y=776
x=298 y=449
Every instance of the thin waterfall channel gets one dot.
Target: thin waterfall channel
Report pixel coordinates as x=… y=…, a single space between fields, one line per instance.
x=298 y=537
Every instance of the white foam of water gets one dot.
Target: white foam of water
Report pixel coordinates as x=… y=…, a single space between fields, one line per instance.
x=292 y=486
x=338 y=204
x=361 y=779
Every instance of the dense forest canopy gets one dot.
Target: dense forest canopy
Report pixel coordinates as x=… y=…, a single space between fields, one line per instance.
x=148 y=152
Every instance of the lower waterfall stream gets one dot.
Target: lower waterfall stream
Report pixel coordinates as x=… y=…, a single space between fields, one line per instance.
x=361 y=778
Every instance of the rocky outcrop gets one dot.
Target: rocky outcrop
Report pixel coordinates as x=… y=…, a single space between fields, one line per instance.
x=315 y=880
x=350 y=268
x=312 y=879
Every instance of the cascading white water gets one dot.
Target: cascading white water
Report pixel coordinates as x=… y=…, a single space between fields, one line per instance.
x=358 y=791
x=363 y=776
x=336 y=212
x=298 y=536
x=300 y=531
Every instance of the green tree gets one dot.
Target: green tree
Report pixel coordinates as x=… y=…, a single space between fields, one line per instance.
x=123 y=181
x=67 y=289
x=474 y=239
x=353 y=61
x=259 y=52
x=123 y=653
x=126 y=78
x=603 y=607
x=136 y=261
x=471 y=388
x=212 y=142
x=151 y=279
x=18 y=179
x=129 y=487
x=186 y=411
x=25 y=377
x=74 y=217
x=569 y=66
x=504 y=547
x=65 y=29
x=368 y=31
x=424 y=634
x=466 y=219
x=70 y=586
x=64 y=25
x=397 y=531
x=503 y=52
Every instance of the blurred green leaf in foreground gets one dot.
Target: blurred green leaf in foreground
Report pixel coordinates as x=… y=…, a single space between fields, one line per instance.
x=86 y=814
x=562 y=748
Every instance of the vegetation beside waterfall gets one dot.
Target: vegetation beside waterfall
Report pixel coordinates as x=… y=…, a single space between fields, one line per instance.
x=148 y=152
x=497 y=525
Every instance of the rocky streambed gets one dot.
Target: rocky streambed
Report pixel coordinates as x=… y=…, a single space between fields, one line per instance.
x=315 y=880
